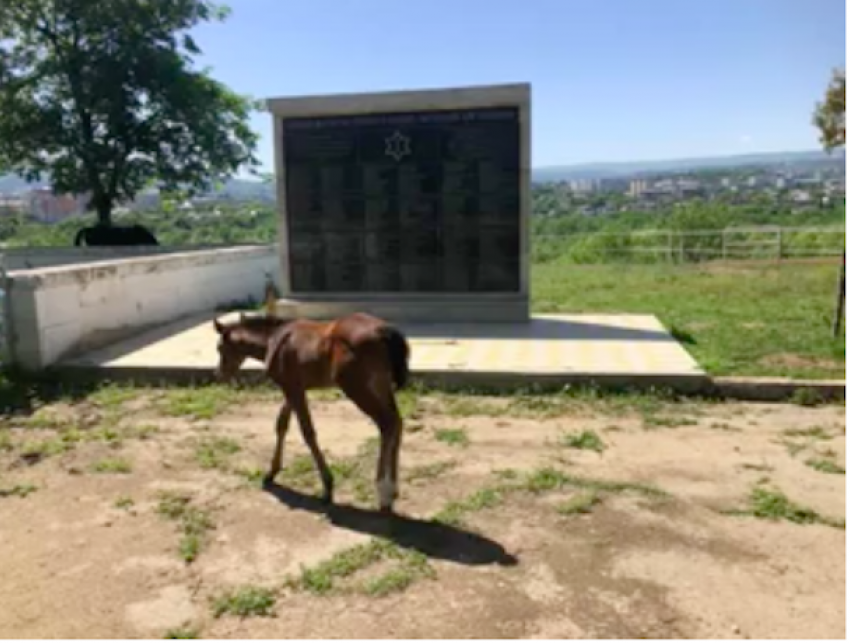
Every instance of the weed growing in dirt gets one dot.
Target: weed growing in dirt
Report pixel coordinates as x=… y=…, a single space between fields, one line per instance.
x=652 y=421
x=724 y=426
x=244 y=601
x=812 y=432
x=322 y=578
x=587 y=440
x=112 y=396
x=453 y=437
x=185 y=632
x=195 y=523
x=112 y=465
x=214 y=452
x=581 y=503
x=455 y=511
x=428 y=471
x=253 y=476
x=202 y=403
x=18 y=491
x=5 y=440
x=756 y=467
x=549 y=479
x=825 y=466
x=461 y=407
x=772 y=504
x=123 y=502
x=805 y=397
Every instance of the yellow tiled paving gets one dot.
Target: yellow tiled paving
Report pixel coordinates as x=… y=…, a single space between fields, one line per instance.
x=547 y=345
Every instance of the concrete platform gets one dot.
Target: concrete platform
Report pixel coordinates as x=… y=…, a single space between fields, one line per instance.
x=621 y=350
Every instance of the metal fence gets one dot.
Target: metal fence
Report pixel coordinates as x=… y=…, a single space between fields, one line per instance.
x=691 y=246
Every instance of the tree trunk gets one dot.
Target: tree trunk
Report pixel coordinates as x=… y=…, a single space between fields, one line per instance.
x=103 y=206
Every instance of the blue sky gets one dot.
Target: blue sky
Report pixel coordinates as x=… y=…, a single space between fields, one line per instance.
x=612 y=80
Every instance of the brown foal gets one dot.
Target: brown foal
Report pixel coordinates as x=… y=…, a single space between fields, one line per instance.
x=362 y=355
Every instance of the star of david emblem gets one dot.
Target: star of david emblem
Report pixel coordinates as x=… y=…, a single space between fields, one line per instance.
x=397 y=146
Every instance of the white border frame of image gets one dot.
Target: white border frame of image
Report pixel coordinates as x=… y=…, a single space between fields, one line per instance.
x=482 y=96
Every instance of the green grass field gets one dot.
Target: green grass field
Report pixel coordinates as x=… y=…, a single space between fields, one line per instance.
x=769 y=319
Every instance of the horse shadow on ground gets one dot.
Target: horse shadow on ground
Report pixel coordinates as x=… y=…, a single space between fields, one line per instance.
x=433 y=539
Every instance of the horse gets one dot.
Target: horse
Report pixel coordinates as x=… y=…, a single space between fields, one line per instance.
x=101 y=235
x=362 y=355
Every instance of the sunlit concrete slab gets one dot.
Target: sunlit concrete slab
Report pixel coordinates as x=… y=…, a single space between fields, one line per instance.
x=621 y=349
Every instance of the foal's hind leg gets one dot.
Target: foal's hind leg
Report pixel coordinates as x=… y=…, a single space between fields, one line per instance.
x=375 y=399
x=281 y=429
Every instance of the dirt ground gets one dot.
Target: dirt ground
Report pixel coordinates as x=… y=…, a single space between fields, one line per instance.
x=123 y=516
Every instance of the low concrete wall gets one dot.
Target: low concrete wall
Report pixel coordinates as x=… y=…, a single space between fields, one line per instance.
x=56 y=312
x=28 y=258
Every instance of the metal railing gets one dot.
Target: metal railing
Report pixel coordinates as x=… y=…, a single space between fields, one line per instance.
x=675 y=246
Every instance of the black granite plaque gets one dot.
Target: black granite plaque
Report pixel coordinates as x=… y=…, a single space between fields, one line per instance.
x=404 y=202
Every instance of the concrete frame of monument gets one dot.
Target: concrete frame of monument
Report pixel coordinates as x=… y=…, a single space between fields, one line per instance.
x=408 y=306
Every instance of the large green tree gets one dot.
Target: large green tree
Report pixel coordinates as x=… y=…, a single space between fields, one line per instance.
x=103 y=97
x=829 y=113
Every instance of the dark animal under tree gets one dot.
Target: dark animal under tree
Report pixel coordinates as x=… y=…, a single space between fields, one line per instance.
x=109 y=235
x=362 y=355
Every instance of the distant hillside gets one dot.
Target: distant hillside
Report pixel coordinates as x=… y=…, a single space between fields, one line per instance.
x=249 y=190
x=614 y=170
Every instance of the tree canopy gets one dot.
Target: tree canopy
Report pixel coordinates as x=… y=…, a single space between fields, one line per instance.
x=829 y=114
x=102 y=96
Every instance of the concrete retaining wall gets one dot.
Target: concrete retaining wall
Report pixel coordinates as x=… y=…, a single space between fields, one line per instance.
x=28 y=258
x=56 y=312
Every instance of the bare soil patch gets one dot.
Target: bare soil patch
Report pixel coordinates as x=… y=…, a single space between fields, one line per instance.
x=520 y=517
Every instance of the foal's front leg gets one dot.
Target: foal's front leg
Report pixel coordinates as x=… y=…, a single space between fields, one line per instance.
x=302 y=412
x=281 y=429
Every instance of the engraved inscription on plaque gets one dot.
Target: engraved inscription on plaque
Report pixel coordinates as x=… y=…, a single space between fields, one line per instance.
x=404 y=202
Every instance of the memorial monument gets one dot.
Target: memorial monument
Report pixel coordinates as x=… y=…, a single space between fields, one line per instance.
x=411 y=205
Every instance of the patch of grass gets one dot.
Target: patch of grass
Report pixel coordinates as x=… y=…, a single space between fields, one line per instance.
x=407 y=401
x=793 y=448
x=184 y=632
x=580 y=503
x=586 y=440
x=461 y=406
x=413 y=567
x=805 y=396
x=6 y=440
x=35 y=451
x=141 y=432
x=123 y=502
x=453 y=437
x=300 y=470
x=724 y=426
x=325 y=395
x=244 y=602
x=172 y=504
x=549 y=479
x=112 y=465
x=18 y=491
x=214 y=452
x=825 y=466
x=322 y=579
x=202 y=403
x=666 y=421
x=756 y=467
x=194 y=522
x=454 y=512
x=112 y=396
x=772 y=504
x=812 y=432
x=429 y=471
x=45 y=418
x=253 y=476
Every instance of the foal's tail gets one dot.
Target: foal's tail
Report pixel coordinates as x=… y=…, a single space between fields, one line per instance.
x=399 y=351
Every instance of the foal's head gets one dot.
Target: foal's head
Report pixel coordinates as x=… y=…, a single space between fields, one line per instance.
x=240 y=340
